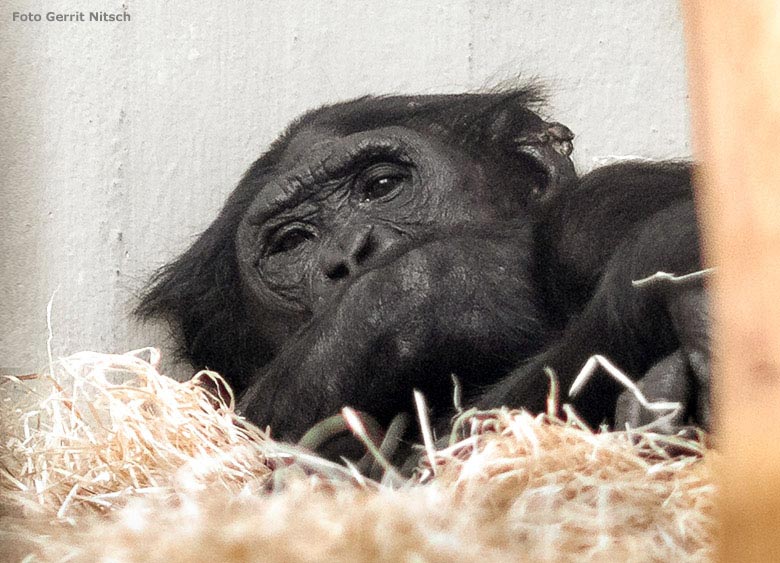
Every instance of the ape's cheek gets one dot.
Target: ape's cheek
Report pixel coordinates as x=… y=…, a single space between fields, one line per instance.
x=442 y=304
x=445 y=277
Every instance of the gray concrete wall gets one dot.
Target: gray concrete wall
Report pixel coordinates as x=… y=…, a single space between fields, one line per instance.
x=120 y=141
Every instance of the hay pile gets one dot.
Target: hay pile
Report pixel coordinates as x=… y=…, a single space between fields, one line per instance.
x=111 y=461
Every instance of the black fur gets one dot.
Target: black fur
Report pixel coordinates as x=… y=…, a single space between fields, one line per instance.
x=383 y=244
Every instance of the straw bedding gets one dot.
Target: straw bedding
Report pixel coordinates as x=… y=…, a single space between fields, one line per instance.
x=106 y=459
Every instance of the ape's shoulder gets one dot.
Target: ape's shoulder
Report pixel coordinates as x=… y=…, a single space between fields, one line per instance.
x=583 y=228
x=664 y=177
x=617 y=196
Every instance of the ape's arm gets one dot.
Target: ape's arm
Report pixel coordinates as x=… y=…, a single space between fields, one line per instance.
x=610 y=233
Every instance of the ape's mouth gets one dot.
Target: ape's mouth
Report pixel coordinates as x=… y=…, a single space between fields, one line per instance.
x=487 y=245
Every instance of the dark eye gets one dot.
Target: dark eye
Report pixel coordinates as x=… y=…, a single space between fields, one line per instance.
x=381 y=179
x=288 y=238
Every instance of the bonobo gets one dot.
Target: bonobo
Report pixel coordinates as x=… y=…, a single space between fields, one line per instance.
x=384 y=244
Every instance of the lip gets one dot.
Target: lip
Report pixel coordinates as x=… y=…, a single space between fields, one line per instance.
x=482 y=232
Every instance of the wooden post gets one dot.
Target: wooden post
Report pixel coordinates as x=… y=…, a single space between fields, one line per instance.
x=734 y=71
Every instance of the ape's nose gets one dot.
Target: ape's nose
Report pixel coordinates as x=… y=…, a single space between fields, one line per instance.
x=344 y=256
x=352 y=252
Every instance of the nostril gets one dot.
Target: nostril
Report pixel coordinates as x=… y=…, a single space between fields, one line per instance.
x=337 y=272
x=364 y=250
x=346 y=257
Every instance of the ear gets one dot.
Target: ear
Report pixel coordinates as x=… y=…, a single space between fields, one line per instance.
x=548 y=146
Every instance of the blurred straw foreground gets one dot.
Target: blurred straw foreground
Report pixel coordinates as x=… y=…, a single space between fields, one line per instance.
x=107 y=459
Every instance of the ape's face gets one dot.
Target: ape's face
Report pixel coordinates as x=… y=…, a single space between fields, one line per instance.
x=339 y=207
x=381 y=245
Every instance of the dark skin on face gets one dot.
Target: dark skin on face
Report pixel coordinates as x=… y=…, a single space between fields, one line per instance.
x=405 y=257
x=385 y=244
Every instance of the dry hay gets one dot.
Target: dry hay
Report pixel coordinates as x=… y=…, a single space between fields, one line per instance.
x=112 y=461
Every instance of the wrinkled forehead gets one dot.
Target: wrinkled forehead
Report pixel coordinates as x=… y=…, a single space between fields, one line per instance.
x=315 y=144
x=331 y=123
x=303 y=143
x=314 y=159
